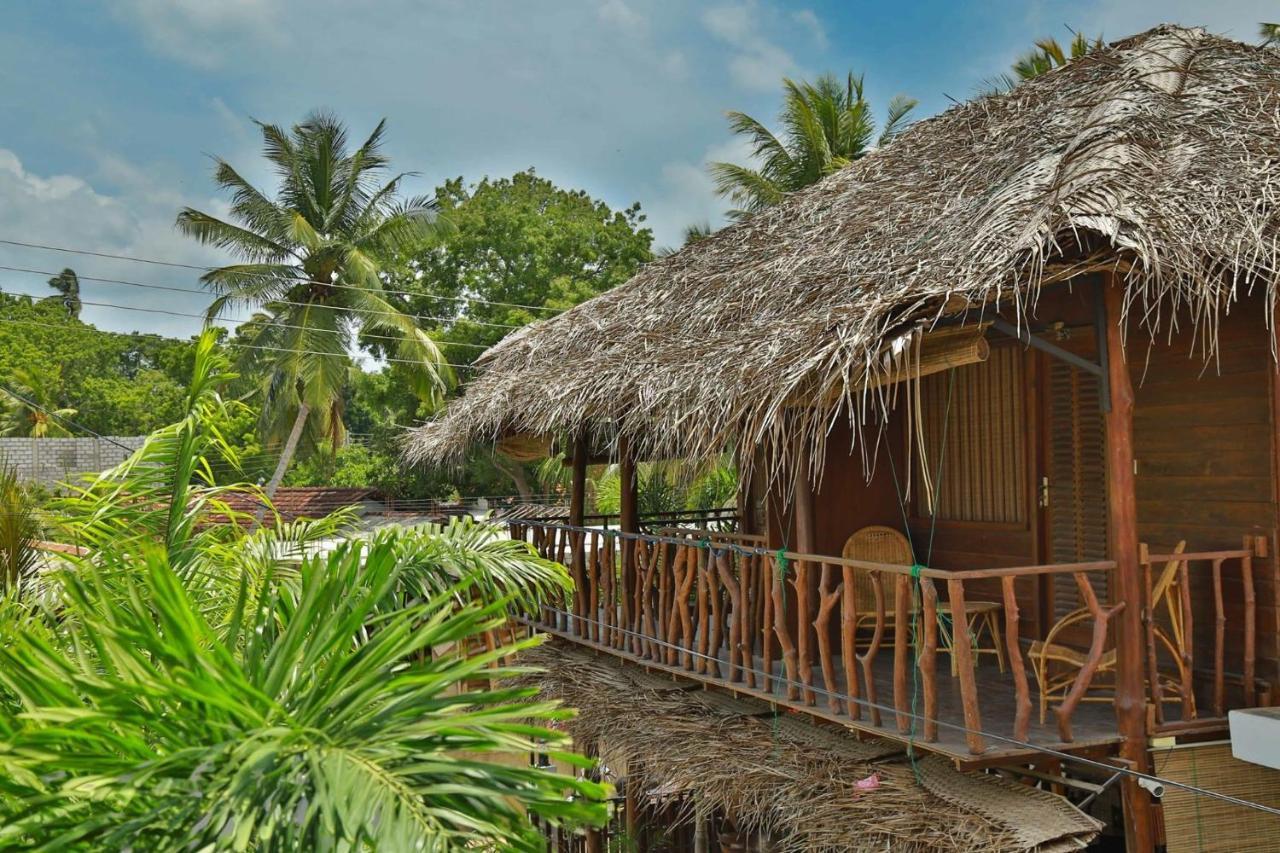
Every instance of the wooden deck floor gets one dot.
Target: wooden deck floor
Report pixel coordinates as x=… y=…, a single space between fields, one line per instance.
x=1093 y=726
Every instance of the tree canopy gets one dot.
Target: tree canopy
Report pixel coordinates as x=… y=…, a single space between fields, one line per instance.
x=118 y=384
x=515 y=242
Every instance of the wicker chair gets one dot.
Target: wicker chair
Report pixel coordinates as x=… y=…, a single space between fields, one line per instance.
x=879 y=544
x=1056 y=664
x=875 y=544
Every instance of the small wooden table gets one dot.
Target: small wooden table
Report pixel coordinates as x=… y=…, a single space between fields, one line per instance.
x=984 y=620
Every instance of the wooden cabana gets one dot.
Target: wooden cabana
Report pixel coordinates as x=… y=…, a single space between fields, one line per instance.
x=1003 y=397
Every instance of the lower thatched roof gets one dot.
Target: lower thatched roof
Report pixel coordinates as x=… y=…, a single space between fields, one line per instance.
x=1154 y=157
x=793 y=780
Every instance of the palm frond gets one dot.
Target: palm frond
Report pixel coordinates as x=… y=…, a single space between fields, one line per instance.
x=746 y=187
x=213 y=231
x=897 y=119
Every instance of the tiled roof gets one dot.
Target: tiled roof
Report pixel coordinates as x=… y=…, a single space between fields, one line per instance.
x=294 y=502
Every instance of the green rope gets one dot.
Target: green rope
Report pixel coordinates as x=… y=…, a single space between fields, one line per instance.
x=783 y=563
x=916 y=567
x=915 y=669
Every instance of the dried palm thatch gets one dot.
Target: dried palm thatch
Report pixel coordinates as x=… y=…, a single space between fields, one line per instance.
x=1154 y=157
x=790 y=780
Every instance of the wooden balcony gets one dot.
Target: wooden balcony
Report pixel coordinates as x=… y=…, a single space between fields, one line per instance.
x=944 y=660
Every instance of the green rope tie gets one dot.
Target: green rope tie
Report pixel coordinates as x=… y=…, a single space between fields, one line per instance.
x=916 y=568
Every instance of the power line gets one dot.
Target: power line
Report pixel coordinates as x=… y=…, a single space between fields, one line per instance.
x=274 y=323
x=177 y=265
x=173 y=289
x=92 y=330
x=33 y=404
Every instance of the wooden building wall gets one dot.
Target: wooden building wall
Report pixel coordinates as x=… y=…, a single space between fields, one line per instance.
x=1205 y=439
x=1205 y=444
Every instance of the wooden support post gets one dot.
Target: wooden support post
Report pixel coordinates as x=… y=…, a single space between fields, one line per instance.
x=929 y=658
x=806 y=543
x=629 y=501
x=1250 y=621
x=628 y=522
x=962 y=654
x=1122 y=511
x=578 y=544
x=848 y=637
x=901 y=650
x=1022 y=705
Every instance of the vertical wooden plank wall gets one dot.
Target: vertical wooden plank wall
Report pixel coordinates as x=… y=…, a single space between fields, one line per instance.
x=1205 y=439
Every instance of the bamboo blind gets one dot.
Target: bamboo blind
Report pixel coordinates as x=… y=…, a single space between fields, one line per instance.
x=1197 y=823
x=978 y=466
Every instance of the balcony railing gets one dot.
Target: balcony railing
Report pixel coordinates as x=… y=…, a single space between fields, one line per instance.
x=859 y=641
x=1180 y=587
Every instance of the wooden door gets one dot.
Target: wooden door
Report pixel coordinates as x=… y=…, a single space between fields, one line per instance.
x=1073 y=484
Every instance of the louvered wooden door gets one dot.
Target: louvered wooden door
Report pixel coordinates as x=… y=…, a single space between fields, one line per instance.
x=1073 y=492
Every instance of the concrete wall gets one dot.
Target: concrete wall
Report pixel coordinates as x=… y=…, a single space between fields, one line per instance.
x=51 y=461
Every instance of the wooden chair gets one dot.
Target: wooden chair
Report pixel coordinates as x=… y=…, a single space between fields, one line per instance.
x=876 y=544
x=1056 y=664
x=880 y=544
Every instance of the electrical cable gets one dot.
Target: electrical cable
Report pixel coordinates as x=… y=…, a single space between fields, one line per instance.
x=176 y=265
x=377 y=312
x=239 y=320
x=33 y=404
x=387 y=359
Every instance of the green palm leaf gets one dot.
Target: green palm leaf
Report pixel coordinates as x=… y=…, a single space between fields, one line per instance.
x=827 y=124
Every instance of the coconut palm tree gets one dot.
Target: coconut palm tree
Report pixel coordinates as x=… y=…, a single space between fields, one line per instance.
x=28 y=407
x=827 y=125
x=1270 y=34
x=1047 y=55
x=692 y=234
x=67 y=283
x=313 y=256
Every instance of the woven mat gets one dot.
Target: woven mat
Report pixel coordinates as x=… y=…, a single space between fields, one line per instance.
x=1042 y=821
x=791 y=779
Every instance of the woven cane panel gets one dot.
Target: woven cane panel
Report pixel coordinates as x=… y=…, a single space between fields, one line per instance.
x=1197 y=823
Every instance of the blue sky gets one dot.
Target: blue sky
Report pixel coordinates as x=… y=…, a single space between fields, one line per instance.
x=111 y=109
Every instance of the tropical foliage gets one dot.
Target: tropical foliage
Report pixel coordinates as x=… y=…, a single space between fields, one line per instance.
x=192 y=684
x=313 y=258
x=19 y=532
x=518 y=250
x=28 y=407
x=67 y=283
x=1047 y=55
x=826 y=125
x=118 y=384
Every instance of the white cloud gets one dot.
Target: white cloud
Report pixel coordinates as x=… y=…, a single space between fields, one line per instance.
x=757 y=63
x=198 y=31
x=808 y=20
x=689 y=194
x=619 y=14
x=68 y=211
x=617 y=97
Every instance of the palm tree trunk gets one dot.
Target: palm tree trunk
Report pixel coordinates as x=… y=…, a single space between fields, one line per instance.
x=515 y=471
x=286 y=456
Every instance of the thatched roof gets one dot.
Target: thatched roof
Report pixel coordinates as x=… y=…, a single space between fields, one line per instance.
x=789 y=779
x=1155 y=156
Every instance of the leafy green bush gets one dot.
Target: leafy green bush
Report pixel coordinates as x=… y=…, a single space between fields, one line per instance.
x=195 y=683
